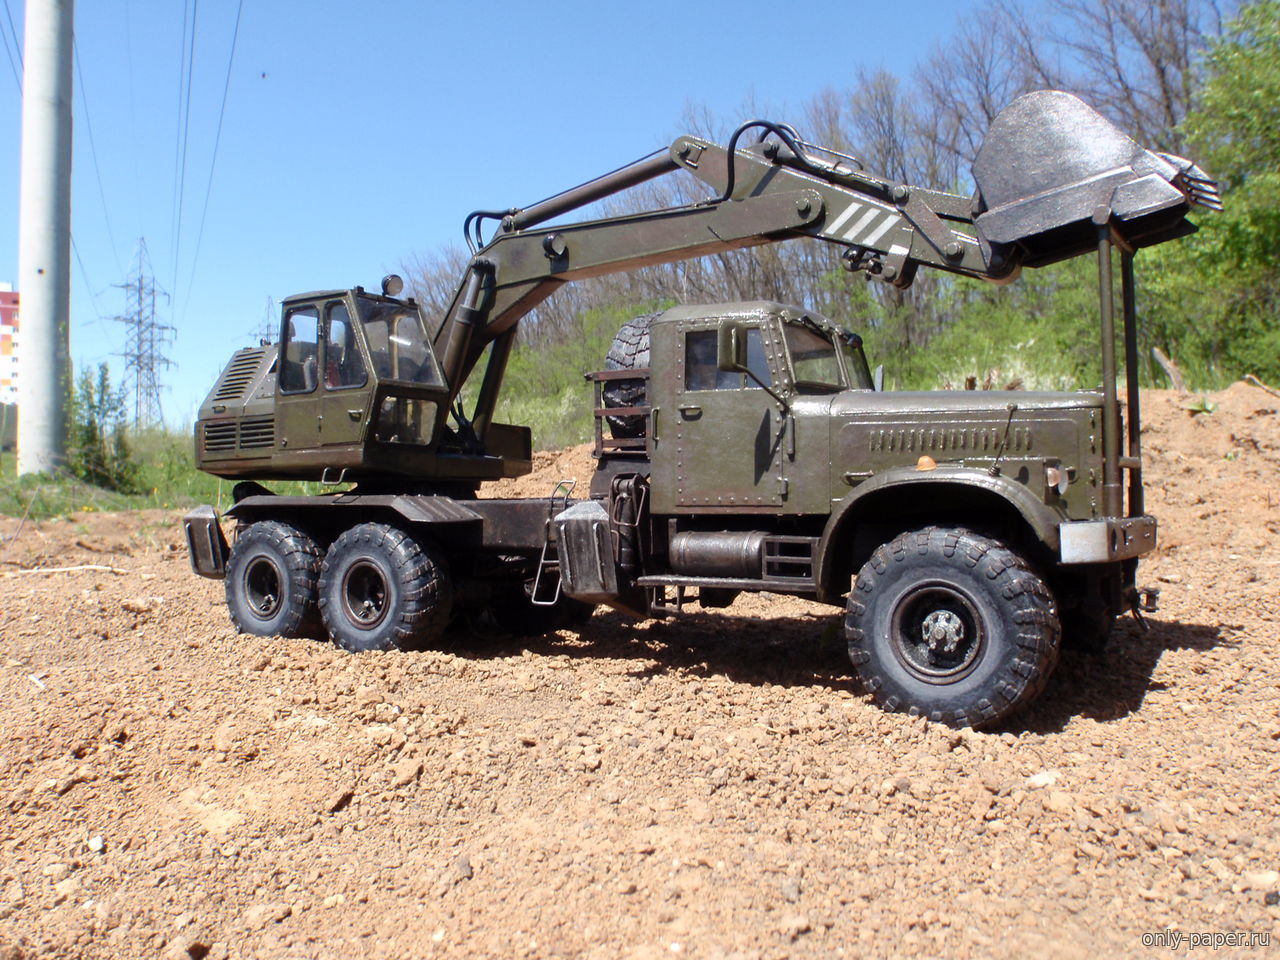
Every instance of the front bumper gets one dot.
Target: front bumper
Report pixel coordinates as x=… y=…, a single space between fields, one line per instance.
x=206 y=545
x=1106 y=540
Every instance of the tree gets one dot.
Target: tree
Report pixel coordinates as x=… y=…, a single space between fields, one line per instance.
x=99 y=451
x=1224 y=285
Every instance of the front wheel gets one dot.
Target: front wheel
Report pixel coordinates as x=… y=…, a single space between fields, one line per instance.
x=951 y=625
x=380 y=589
x=271 y=580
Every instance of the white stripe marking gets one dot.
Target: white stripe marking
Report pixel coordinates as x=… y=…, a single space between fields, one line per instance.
x=839 y=221
x=863 y=222
x=881 y=230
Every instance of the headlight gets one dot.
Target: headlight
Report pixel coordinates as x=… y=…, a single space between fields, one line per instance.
x=1056 y=477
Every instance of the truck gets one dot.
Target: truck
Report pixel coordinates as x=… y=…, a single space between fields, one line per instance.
x=738 y=446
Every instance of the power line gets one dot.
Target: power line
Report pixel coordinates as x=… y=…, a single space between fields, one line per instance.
x=133 y=110
x=177 y=128
x=13 y=33
x=93 y=152
x=17 y=48
x=217 y=138
x=93 y=297
x=186 y=129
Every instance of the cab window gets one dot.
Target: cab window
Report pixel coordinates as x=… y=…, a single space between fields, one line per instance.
x=300 y=349
x=398 y=344
x=701 y=372
x=343 y=365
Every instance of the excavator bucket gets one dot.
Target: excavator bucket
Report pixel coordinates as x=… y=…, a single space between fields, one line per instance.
x=1051 y=168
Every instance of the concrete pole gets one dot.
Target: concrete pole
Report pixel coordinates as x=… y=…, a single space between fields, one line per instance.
x=44 y=237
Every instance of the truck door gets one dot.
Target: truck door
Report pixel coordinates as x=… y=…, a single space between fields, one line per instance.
x=344 y=401
x=729 y=433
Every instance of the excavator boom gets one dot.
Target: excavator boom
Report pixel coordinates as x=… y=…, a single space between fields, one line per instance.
x=1049 y=172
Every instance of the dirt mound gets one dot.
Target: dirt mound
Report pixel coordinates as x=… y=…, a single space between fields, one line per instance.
x=710 y=786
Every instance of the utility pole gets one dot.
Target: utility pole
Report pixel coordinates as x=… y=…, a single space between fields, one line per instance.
x=145 y=340
x=44 y=236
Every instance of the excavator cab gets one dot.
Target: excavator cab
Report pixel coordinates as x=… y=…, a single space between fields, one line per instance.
x=353 y=390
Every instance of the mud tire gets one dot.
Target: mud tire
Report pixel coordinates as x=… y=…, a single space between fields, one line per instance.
x=981 y=597
x=381 y=589
x=271 y=582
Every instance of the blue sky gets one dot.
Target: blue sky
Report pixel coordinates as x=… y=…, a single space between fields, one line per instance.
x=357 y=135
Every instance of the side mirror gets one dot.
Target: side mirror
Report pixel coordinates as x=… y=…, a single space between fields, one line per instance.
x=731 y=348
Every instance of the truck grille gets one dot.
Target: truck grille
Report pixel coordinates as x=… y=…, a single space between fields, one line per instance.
x=220 y=436
x=928 y=439
x=257 y=432
x=238 y=375
x=251 y=433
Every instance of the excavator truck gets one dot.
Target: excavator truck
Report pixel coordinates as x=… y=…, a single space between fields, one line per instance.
x=739 y=446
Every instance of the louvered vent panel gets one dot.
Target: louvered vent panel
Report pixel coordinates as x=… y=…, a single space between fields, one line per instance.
x=238 y=375
x=256 y=432
x=220 y=436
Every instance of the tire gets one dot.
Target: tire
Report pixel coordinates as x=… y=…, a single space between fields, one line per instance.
x=380 y=589
x=271 y=581
x=521 y=617
x=995 y=629
x=629 y=351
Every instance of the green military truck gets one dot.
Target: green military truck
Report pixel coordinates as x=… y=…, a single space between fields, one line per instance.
x=742 y=446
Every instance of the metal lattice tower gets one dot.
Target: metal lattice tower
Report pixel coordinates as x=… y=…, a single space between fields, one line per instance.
x=269 y=328
x=145 y=341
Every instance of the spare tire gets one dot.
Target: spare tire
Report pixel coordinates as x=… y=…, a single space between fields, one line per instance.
x=629 y=351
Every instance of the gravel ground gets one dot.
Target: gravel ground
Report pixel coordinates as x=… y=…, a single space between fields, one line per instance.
x=712 y=786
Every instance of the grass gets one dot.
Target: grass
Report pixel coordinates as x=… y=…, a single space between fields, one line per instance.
x=167 y=478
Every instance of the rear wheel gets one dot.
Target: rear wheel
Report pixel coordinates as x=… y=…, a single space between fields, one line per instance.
x=951 y=625
x=272 y=574
x=380 y=589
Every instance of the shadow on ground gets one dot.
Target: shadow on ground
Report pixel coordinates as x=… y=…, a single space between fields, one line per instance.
x=1112 y=684
x=810 y=651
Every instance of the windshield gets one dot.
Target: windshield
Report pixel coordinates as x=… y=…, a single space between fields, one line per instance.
x=855 y=360
x=398 y=343
x=813 y=357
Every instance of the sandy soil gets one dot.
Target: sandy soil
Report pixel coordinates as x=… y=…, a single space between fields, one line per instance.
x=707 y=787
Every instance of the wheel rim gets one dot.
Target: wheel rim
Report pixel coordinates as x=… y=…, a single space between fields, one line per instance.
x=936 y=633
x=264 y=587
x=364 y=594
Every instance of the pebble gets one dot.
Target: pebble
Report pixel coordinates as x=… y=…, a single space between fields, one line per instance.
x=262 y=914
x=795 y=924
x=97 y=844
x=1262 y=878
x=338 y=799
x=405 y=771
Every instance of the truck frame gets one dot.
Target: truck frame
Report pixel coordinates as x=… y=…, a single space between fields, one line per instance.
x=739 y=447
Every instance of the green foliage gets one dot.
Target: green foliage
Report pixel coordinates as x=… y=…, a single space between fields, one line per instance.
x=1215 y=297
x=98 y=448
x=544 y=388
x=164 y=477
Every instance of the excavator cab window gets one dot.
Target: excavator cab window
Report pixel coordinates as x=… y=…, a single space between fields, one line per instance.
x=399 y=346
x=343 y=365
x=298 y=373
